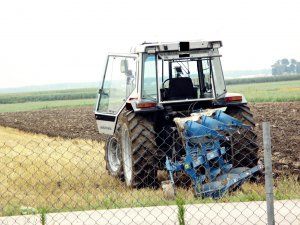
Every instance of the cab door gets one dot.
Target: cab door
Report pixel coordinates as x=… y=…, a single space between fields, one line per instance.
x=118 y=83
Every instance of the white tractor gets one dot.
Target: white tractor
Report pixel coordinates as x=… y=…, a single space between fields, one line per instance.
x=143 y=92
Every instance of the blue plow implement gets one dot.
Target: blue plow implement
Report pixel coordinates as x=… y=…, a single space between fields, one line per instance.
x=204 y=160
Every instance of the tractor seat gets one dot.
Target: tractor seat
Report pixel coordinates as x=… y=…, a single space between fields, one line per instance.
x=181 y=88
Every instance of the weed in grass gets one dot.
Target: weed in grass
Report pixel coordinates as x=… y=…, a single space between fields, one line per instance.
x=181 y=210
x=43 y=215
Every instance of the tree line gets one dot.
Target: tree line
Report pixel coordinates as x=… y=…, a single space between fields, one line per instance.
x=286 y=67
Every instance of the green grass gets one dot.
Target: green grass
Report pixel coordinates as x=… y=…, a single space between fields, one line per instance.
x=269 y=92
x=262 y=79
x=29 y=106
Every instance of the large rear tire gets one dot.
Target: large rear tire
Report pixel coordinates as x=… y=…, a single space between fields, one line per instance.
x=244 y=144
x=138 y=151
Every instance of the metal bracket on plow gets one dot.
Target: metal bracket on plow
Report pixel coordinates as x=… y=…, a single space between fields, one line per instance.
x=212 y=176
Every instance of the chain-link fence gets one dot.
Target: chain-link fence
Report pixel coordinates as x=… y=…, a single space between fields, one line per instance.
x=191 y=174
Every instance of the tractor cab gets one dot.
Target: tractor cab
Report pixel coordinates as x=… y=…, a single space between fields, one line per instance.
x=186 y=73
x=155 y=75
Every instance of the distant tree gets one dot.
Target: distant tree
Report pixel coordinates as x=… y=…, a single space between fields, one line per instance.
x=298 y=68
x=275 y=69
x=285 y=62
x=292 y=69
x=293 y=62
x=285 y=66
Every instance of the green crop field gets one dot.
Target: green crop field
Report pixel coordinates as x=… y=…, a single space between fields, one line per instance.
x=47 y=99
x=283 y=91
x=29 y=106
x=70 y=94
x=263 y=79
x=278 y=91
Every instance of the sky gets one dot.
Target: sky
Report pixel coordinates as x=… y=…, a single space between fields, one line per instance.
x=57 y=41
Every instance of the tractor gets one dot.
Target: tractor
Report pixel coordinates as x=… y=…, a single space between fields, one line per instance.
x=152 y=104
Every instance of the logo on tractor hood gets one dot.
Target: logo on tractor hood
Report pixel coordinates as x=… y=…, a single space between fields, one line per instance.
x=105 y=128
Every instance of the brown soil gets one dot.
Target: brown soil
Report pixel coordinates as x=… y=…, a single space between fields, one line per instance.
x=284 y=118
x=80 y=123
x=67 y=123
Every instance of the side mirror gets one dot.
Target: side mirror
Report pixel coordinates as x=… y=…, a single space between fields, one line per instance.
x=124 y=66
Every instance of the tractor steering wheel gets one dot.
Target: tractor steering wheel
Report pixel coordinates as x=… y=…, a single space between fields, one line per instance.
x=163 y=84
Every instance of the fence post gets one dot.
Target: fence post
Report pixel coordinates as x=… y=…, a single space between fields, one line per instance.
x=268 y=172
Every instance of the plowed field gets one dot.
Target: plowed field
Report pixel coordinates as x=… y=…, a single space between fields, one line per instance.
x=80 y=123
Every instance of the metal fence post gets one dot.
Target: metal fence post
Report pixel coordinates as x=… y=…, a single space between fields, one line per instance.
x=268 y=172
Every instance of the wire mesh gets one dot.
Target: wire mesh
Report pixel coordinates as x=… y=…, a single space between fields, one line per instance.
x=140 y=176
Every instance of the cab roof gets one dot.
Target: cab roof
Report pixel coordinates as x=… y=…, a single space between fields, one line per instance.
x=176 y=46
